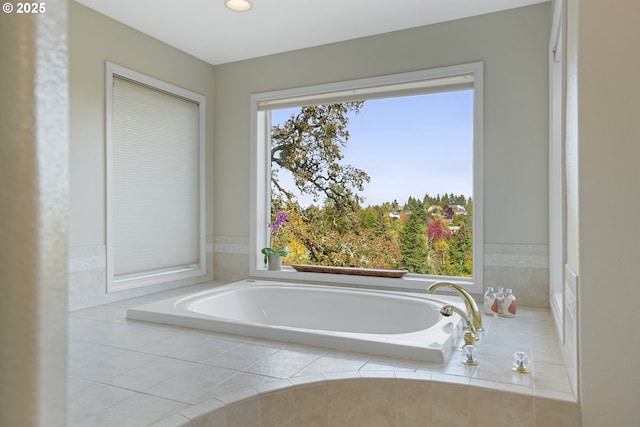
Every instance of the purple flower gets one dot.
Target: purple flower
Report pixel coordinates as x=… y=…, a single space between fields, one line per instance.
x=280 y=219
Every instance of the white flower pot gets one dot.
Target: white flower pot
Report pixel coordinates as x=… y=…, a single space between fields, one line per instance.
x=275 y=262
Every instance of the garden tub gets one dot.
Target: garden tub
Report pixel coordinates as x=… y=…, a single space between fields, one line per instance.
x=386 y=323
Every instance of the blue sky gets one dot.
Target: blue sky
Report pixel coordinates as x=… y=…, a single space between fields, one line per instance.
x=410 y=146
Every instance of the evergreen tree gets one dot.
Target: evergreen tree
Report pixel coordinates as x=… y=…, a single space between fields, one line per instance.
x=468 y=219
x=427 y=201
x=461 y=252
x=414 y=205
x=413 y=245
x=460 y=200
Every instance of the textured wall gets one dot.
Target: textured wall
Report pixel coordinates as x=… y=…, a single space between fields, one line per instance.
x=608 y=150
x=33 y=217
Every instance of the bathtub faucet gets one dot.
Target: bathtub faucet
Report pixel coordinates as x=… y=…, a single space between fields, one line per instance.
x=470 y=336
x=472 y=307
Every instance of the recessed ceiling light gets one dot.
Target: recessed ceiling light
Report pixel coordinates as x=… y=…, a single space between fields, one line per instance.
x=239 y=5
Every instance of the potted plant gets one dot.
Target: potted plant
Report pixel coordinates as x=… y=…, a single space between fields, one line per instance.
x=273 y=256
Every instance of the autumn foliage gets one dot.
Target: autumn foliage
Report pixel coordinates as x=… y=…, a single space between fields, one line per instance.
x=337 y=230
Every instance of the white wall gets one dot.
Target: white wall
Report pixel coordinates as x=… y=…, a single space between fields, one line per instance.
x=606 y=105
x=513 y=45
x=33 y=217
x=94 y=39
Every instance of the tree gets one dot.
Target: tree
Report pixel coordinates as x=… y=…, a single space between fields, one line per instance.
x=459 y=200
x=309 y=146
x=439 y=260
x=436 y=230
x=438 y=247
x=338 y=231
x=342 y=240
x=468 y=219
x=369 y=217
x=461 y=252
x=415 y=205
x=414 y=246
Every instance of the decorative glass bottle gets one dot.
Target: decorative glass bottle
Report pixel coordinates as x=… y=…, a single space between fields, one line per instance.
x=509 y=304
x=489 y=297
x=498 y=299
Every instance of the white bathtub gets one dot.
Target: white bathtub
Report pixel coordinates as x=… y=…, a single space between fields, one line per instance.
x=386 y=323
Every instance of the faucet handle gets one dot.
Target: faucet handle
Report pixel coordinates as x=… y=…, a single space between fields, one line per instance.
x=470 y=338
x=470 y=355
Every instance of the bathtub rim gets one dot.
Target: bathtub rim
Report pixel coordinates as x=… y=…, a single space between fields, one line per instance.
x=404 y=345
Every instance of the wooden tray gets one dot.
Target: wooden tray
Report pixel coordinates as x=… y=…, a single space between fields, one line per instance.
x=350 y=270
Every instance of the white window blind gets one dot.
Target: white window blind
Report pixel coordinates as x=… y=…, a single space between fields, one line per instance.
x=155 y=155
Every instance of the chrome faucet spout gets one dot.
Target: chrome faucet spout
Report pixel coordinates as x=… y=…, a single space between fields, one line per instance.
x=472 y=308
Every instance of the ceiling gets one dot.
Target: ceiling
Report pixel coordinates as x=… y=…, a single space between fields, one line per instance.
x=207 y=30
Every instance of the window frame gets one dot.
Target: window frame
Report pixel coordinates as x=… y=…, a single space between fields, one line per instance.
x=149 y=278
x=557 y=172
x=260 y=170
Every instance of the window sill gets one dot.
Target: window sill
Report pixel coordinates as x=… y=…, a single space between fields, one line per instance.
x=409 y=282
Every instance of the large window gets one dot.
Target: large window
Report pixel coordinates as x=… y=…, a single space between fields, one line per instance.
x=380 y=173
x=155 y=185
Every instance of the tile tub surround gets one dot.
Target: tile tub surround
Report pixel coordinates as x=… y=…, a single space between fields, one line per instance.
x=131 y=373
x=88 y=278
x=523 y=268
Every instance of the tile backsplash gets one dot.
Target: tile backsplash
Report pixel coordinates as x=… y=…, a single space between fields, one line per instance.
x=523 y=268
x=88 y=278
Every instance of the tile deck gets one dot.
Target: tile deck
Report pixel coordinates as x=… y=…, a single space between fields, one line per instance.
x=132 y=373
